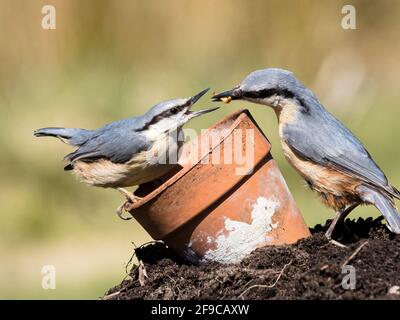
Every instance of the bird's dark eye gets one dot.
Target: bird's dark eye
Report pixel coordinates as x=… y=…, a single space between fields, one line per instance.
x=174 y=110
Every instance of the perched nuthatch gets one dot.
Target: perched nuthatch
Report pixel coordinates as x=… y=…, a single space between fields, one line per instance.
x=325 y=153
x=122 y=153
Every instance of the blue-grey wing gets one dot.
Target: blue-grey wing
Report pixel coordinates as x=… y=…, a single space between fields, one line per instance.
x=328 y=142
x=117 y=145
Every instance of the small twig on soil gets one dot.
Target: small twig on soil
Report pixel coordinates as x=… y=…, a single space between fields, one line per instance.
x=261 y=271
x=117 y=293
x=129 y=263
x=142 y=274
x=174 y=285
x=341 y=245
x=264 y=285
x=148 y=243
x=354 y=253
x=111 y=295
x=248 y=282
x=130 y=259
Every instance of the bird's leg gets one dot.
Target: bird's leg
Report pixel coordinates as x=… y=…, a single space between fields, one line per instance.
x=130 y=198
x=333 y=224
x=340 y=216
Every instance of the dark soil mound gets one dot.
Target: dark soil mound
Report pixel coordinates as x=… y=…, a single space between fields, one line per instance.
x=309 y=269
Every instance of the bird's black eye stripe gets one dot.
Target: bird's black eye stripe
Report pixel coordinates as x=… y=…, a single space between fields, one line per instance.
x=285 y=93
x=268 y=93
x=165 y=114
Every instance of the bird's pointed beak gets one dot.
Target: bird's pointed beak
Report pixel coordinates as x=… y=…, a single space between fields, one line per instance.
x=194 y=114
x=227 y=96
x=193 y=100
x=196 y=97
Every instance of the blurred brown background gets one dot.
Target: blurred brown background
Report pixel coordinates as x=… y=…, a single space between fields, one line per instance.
x=113 y=59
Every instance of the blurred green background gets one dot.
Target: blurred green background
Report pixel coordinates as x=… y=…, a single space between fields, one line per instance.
x=113 y=59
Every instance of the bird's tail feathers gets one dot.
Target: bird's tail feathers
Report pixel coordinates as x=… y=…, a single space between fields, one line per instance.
x=396 y=192
x=384 y=205
x=73 y=136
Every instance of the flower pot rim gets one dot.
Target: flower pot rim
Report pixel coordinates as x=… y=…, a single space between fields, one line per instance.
x=238 y=115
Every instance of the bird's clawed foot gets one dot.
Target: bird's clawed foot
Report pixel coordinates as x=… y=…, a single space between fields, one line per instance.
x=126 y=206
x=121 y=209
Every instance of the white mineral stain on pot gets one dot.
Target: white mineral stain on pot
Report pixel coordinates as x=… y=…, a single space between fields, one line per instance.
x=240 y=238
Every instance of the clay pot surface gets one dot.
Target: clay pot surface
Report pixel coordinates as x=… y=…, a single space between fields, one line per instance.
x=221 y=210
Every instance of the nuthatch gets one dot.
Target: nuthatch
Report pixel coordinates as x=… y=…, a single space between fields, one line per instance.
x=325 y=153
x=122 y=153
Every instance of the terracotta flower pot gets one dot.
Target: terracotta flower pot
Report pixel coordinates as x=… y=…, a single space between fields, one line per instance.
x=222 y=210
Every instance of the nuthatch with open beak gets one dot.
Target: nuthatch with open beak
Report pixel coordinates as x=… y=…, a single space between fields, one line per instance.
x=327 y=155
x=123 y=153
